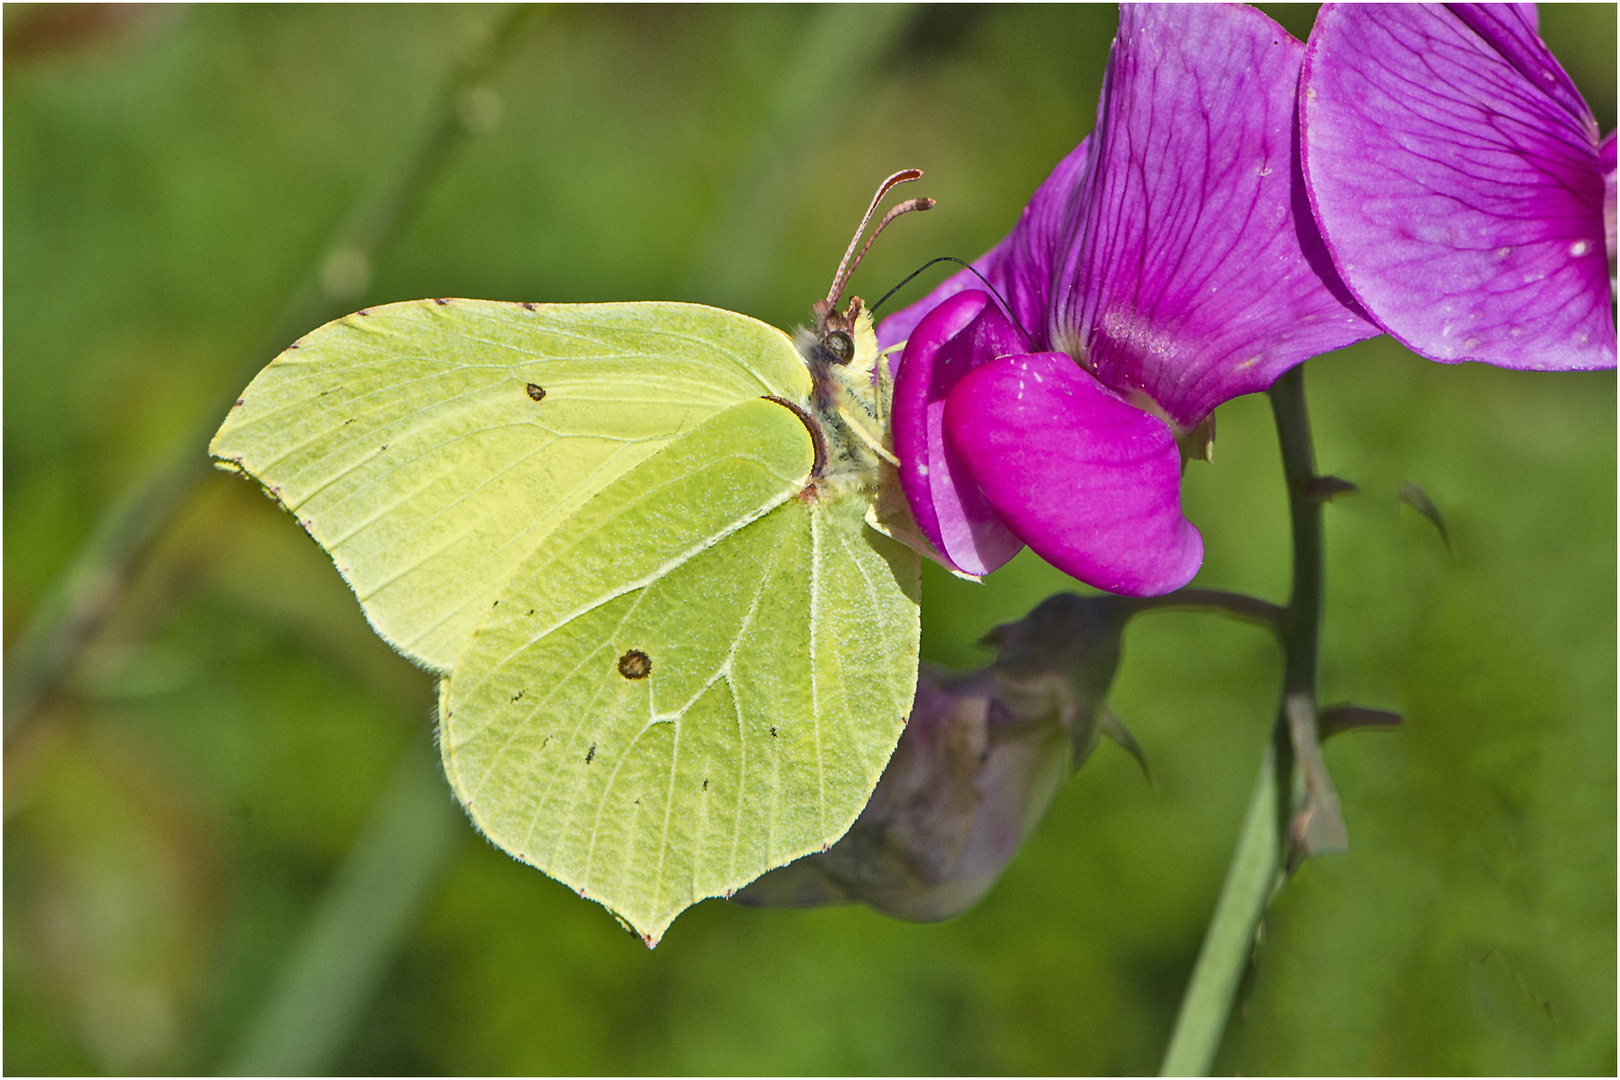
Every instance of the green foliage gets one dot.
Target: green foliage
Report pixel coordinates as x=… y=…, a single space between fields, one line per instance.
x=175 y=814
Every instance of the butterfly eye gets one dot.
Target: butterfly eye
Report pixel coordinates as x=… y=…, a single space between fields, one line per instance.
x=839 y=346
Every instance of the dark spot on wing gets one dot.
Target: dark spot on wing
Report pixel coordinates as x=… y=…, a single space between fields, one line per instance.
x=441 y=301
x=518 y=695
x=349 y=421
x=590 y=754
x=294 y=345
x=240 y=403
x=635 y=664
x=527 y=306
x=536 y=392
x=363 y=311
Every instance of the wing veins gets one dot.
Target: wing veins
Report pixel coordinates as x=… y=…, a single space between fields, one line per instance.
x=815 y=669
x=381 y=585
x=679 y=560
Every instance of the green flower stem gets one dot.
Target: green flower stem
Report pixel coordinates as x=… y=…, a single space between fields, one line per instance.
x=1271 y=822
x=89 y=589
x=1250 y=880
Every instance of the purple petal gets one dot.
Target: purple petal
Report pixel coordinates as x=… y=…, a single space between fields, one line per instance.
x=964 y=331
x=1020 y=267
x=1455 y=173
x=1606 y=156
x=1092 y=484
x=1195 y=273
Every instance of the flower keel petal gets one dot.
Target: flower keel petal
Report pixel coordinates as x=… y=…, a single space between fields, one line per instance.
x=1092 y=484
x=964 y=331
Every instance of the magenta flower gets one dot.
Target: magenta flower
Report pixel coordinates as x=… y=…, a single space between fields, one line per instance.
x=1168 y=264
x=1460 y=183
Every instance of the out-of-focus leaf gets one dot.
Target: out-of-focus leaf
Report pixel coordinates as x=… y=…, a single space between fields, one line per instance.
x=1418 y=499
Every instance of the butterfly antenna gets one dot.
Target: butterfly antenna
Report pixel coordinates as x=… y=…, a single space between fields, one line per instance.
x=1006 y=308
x=846 y=267
x=900 y=208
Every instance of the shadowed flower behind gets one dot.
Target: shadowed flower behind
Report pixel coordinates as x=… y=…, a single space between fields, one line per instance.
x=982 y=757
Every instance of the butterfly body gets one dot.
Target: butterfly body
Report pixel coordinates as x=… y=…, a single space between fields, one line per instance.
x=850 y=395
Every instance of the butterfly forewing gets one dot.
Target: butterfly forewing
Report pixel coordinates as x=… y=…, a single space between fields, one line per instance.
x=431 y=446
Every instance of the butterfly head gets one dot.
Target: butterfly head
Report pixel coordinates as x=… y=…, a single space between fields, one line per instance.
x=851 y=391
x=843 y=339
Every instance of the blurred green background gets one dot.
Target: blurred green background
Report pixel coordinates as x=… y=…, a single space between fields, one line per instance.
x=222 y=773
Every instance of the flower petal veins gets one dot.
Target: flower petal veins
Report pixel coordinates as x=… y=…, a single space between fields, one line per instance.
x=1456 y=175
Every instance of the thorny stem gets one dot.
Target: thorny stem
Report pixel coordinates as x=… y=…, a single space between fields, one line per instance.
x=89 y=589
x=1271 y=825
x=1316 y=827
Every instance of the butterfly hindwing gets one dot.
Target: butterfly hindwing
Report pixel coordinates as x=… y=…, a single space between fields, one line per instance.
x=700 y=677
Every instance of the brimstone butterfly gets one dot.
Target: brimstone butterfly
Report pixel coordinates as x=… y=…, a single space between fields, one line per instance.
x=651 y=550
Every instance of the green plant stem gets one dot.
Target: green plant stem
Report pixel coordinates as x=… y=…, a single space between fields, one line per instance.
x=89 y=589
x=1250 y=880
x=311 y=1010
x=1271 y=821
